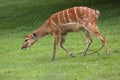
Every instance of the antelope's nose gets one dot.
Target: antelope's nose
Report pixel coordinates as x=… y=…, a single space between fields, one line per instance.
x=23 y=47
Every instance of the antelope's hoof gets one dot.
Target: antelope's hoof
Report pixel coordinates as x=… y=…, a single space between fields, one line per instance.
x=83 y=53
x=108 y=52
x=53 y=58
x=72 y=55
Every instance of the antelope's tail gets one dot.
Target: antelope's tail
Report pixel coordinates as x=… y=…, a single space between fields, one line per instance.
x=97 y=12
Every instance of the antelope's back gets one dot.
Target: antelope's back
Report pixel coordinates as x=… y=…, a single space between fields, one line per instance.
x=75 y=14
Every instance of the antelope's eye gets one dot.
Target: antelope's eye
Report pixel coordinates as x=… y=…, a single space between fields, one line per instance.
x=26 y=40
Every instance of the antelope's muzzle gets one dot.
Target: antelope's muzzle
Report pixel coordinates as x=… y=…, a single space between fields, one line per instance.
x=23 y=47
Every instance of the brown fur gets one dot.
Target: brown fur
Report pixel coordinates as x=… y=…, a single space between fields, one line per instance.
x=70 y=20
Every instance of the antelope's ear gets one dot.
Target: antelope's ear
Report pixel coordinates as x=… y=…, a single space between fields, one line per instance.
x=33 y=35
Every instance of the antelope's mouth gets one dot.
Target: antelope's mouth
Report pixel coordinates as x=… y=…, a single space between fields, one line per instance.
x=24 y=48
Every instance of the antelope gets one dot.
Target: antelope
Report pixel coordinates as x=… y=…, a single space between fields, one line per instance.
x=69 y=20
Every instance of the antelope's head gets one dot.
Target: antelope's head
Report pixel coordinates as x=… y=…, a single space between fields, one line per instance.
x=30 y=40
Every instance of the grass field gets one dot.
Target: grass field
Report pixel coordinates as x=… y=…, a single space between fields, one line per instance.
x=20 y=17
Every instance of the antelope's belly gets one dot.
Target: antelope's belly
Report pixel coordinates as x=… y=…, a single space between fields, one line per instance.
x=71 y=27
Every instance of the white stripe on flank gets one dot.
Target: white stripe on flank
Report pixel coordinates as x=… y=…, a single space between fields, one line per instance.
x=53 y=23
x=64 y=16
x=59 y=19
x=89 y=11
x=71 y=23
x=80 y=10
x=68 y=16
x=75 y=10
x=93 y=11
x=85 y=8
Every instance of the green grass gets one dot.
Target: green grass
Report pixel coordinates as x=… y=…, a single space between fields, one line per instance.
x=20 y=17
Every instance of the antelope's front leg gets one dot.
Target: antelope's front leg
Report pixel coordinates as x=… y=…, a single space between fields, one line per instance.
x=56 y=41
x=63 y=38
x=89 y=41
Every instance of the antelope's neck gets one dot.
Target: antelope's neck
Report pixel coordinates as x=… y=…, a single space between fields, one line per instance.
x=42 y=31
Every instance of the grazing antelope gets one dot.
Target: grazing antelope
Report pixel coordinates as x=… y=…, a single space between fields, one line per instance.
x=69 y=20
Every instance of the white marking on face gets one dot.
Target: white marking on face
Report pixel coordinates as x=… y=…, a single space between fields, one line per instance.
x=68 y=16
x=29 y=42
x=27 y=38
x=75 y=10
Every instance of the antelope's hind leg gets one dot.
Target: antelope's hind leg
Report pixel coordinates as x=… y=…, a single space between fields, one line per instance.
x=95 y=31
x=63 y=38
x=102 y=38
